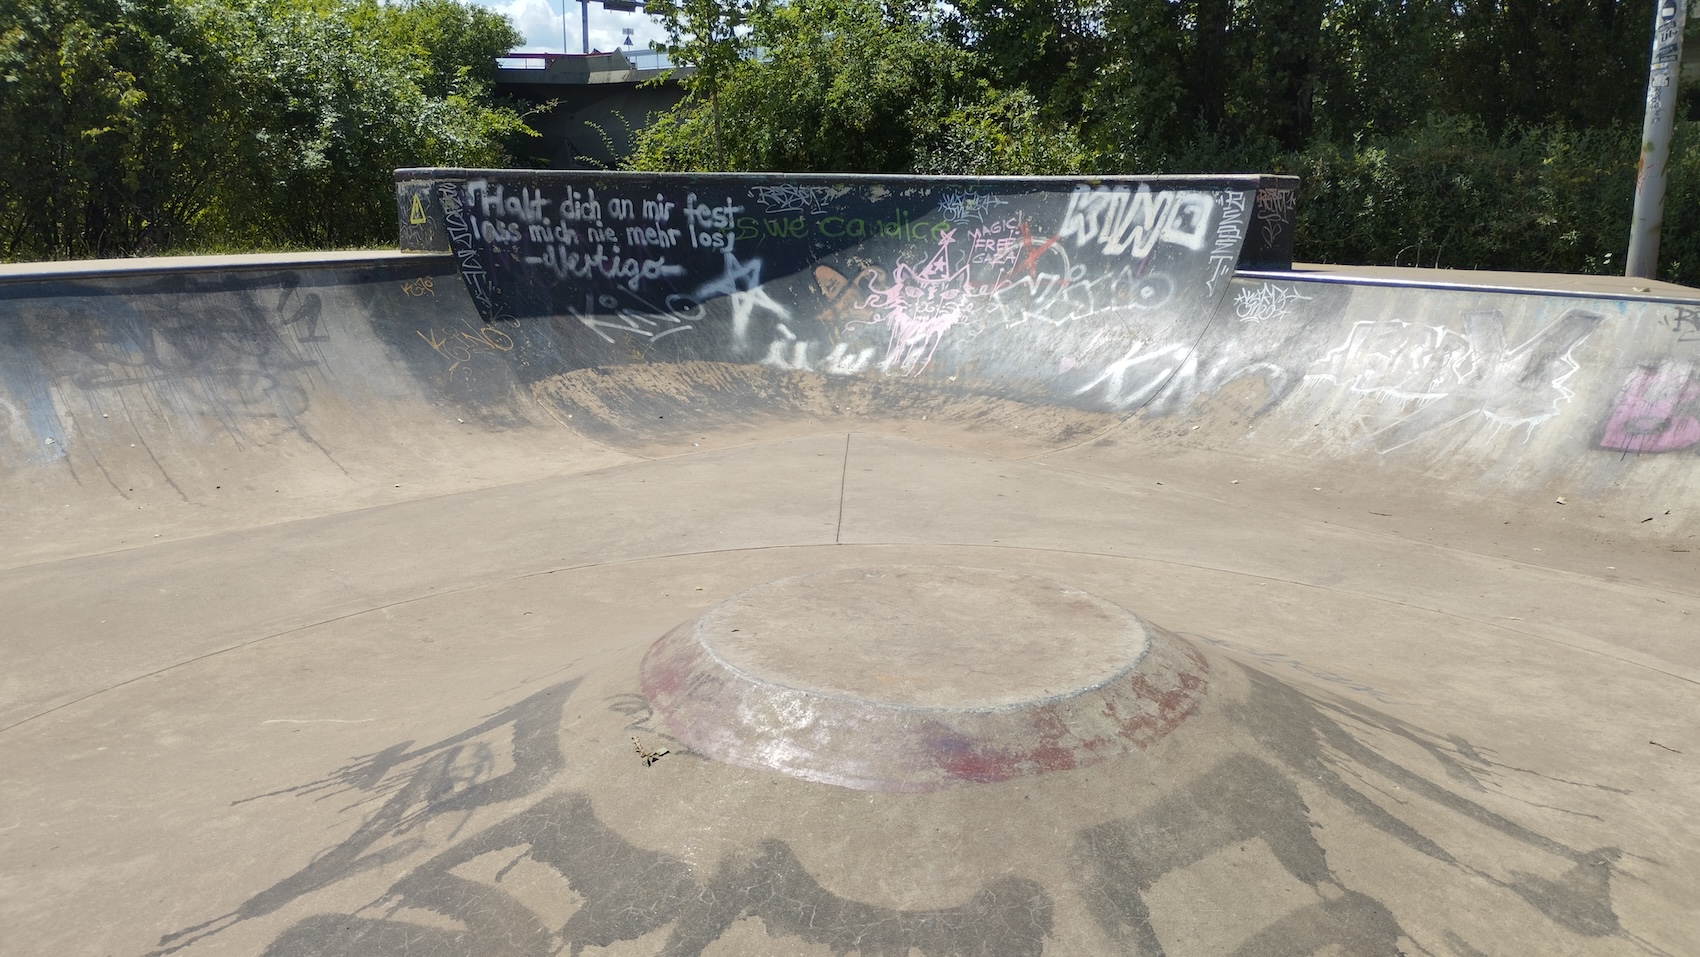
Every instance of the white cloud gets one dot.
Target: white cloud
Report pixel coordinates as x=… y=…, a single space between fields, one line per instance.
x=540 y=22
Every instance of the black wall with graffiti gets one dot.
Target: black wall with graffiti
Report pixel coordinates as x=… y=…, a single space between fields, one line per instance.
x=1032 y=288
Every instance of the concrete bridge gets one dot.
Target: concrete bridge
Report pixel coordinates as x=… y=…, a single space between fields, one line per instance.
x=601 y=101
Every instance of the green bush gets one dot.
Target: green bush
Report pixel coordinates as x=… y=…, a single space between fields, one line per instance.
x=835 y=89
x=112 y=116
x=1451 y=195
x=1000 y=134
x=130 y=127
x=1679 y=244
x=839 y=87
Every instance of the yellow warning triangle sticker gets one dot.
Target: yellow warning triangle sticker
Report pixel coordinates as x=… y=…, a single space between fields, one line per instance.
x=417 y=215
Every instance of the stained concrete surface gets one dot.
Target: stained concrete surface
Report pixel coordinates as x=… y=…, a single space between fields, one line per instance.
x=155 y=775
x=321 y=713
x=895 y=677
x=1047 y=639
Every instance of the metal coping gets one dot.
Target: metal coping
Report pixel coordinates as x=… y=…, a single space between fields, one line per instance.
x=69 y=269
x=1461 y=286
x=59 y=270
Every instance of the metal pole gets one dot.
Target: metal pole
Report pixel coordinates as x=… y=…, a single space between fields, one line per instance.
x=1643 y=259
x=584 y=23
x=564 y=48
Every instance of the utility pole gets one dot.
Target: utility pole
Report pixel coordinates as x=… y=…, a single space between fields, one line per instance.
x=584 y=24
x=1663 y=80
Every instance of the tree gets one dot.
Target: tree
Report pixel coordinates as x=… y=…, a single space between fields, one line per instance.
x=859 y=86
x=1050 y=48
x=133 y=126
x=112 y=123
x=1582 y=63
x=335 y=99
x=451 y=46
x=710 y=37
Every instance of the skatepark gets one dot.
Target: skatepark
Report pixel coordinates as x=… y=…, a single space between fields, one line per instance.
x=726 y=565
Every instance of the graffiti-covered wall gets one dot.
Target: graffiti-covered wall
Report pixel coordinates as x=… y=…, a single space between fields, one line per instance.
x=649 y=311
x=1520 y=388
x=1029 y=288
x=1134 y=298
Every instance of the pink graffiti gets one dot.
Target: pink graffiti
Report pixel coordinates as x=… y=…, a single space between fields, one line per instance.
x=920 y=306
x=1657 y=411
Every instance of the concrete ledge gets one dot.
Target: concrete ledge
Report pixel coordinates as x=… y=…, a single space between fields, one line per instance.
x=96 y=268
x=1483 y=280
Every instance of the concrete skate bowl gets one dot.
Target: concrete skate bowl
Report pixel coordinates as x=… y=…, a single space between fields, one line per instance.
x=845 y=566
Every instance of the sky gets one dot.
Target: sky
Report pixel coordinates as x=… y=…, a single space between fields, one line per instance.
x=540 y=22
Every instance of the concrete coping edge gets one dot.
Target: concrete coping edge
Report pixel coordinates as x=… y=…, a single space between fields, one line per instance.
x=1534 y=288
x=1218 y=180
x=63 y=269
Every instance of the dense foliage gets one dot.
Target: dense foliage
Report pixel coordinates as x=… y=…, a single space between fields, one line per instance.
x=1464 y=133
x=134 y=126
x=1469 y=133
x=852 y=85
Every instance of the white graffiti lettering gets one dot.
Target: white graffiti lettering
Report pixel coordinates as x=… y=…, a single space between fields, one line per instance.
x=960 y=208
x=1266 y=301
x=568 y=263
x=1133 y=222
x=1435 y=377
x=787 y=198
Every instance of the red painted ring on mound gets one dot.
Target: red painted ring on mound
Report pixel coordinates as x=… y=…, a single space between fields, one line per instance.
x=727 y=698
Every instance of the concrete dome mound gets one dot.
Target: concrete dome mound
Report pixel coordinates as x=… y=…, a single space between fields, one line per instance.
x=1272 y=820
x=913 y=678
